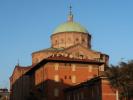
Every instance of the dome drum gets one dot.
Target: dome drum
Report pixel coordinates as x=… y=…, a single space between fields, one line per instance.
x=67 y=39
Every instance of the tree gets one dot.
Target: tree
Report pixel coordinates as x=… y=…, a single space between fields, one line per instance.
x=121 y=78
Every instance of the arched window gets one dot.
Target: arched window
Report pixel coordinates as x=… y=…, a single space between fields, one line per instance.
x=90 y=68
x=69 y=39
x=56 y=78
x=56 y=66
x=56 y=92
x=73 y=67
x=56 y=41
x=73 y=79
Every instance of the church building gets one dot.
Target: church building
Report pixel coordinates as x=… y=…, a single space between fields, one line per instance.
x=68 y=70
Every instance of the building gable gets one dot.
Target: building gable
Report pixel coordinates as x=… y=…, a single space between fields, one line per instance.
x=78 y=51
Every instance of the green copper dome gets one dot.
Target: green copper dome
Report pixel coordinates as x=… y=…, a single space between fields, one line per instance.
x=70 y=26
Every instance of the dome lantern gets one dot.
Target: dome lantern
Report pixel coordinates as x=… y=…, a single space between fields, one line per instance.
x=70 y=16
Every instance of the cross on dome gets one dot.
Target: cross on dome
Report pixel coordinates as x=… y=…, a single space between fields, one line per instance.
x=70 y=16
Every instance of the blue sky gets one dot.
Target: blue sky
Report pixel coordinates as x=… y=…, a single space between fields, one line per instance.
x=26 y=26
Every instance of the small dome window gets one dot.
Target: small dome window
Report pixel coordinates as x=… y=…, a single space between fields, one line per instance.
x=62 y=40
x=69 y=39
x=56 y=41
x=77 y=39
x=83 y=40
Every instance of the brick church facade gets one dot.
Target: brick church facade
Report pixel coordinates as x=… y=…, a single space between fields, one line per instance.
x=68 y=70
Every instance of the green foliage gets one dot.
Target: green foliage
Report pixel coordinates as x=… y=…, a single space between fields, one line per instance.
x=121 y=78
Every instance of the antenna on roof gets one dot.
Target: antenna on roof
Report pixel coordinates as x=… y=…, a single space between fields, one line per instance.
x=18 y=63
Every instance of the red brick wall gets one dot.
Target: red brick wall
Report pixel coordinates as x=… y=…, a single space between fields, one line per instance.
x=99 y=89
x=108 y=91
x=82 y=73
